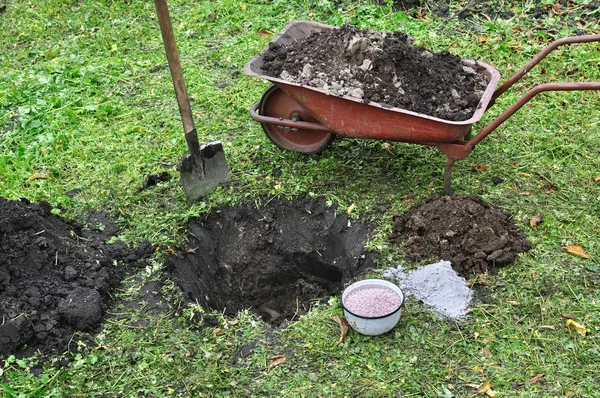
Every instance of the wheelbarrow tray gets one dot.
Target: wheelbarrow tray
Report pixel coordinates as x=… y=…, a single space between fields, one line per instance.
x=351 y=117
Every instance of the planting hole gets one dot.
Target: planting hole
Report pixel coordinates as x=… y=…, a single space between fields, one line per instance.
x=273 y=260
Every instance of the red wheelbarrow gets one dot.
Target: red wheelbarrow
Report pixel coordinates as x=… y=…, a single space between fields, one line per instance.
x=305 y=119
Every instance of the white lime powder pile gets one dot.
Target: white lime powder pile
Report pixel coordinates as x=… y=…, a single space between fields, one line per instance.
x=437 y=286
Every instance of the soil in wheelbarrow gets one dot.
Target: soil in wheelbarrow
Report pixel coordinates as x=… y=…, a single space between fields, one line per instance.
x=275 y=260
x=473 y=235
x=382 y=67
x=56 y=275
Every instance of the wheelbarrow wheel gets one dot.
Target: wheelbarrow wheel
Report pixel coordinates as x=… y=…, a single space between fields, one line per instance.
x=276 y=103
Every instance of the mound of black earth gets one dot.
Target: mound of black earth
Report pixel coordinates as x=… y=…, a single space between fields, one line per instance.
x=274 y=260
x=465 y=230
x=381 y=67
x=55 y=275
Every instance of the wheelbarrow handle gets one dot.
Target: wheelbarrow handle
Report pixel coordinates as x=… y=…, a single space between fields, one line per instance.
x=460 y=149
x=547 y=50
x=524 y=99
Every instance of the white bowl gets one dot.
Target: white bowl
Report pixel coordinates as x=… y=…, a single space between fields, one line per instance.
x=373 y=326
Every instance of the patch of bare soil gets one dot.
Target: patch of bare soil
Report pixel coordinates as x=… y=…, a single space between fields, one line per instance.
x=382 y=67
x=55 y=275
x=273 y=260
x=465 y=230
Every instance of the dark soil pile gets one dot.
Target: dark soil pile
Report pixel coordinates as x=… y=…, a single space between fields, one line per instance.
x=474 y=236
x=273 y=260
x=55 y=275
x=381 y=67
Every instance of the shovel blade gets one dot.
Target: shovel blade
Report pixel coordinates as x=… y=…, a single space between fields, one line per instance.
x=201 y=173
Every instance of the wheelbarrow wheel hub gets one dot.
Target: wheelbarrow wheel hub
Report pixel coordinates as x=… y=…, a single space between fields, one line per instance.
x=276 y=103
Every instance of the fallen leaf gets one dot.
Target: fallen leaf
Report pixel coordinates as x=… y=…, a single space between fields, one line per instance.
x=568 y=316
x=276 y=360
x=536 y=378
x=421 y=16
x=524 y=193
x=217 y=331
x=576 y=250
x=343 y=328
x=556 y=9
x=170 y=250
x=579 y=328
x=536 y=220
x=487 y=389
x=515 y=163
x=515 y=303
x=38 y=176
x=486 y=352
x=480 y=167
x=350 y=208
x=548 y=188
x=483 y=388
x=482 y=280
x=597 y=179
x=264 y=33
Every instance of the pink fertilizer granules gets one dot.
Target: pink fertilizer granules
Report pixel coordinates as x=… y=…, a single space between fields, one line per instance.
x=370 y=302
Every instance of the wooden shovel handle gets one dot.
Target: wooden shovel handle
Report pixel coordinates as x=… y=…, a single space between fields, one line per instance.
x=166 y=29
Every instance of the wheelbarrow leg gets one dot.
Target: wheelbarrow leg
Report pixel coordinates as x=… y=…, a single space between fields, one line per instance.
x=454 y=151
x=448 y=177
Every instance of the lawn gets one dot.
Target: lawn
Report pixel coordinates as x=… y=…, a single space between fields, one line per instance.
x=87 y=104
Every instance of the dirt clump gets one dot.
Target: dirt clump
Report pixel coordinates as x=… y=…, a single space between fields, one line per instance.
x=465 y=230
x=55 y=275
x=382 y=67
x=273 y=260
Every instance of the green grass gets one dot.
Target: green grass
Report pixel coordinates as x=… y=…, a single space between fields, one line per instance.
x=84 y=100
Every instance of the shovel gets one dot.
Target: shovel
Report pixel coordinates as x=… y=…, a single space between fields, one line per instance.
x=204 y=167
